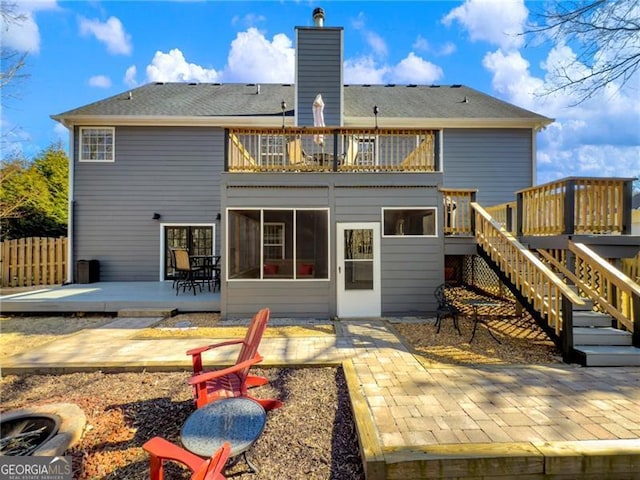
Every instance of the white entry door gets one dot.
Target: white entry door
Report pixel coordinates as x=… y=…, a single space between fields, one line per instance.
x=358 y=269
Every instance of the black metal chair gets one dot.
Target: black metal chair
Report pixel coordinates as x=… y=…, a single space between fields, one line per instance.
x=446 y=309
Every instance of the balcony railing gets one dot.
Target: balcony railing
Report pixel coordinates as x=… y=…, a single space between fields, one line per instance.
x=576 y=206
x=313 y=149
x=458 y=216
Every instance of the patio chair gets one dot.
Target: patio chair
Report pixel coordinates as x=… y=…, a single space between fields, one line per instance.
x=186 y=271
x=233 y=381
x=446 y=309
x=296 y=153
x=160 y=450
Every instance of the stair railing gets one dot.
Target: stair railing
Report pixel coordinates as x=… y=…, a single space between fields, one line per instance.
x=542 y=288
x=614 y=291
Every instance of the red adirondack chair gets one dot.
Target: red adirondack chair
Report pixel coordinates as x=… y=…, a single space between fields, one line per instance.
x=160 y=450
x=233 y=381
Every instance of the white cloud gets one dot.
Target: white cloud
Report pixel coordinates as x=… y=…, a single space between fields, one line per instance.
x=111 y=33
x=19 y=29
x=249 y=20
x=411 y=69
x=414 y=69
x=130 y=76
x=100 y=81
x=253 y=58
x=364 y=70
x=421 y=44
x=495 y=21
x=60 y=131
x=173 y=67
x=372 y=39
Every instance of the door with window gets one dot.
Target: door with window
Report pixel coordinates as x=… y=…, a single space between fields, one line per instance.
x=197 y=239
x=358 y=270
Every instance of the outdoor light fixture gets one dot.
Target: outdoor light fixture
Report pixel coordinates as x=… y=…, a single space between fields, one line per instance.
x=376 y=110
x=218 y=216
x=283 y=106
x=156 y=216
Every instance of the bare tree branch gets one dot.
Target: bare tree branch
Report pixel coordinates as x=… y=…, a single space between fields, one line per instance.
x=603 y=34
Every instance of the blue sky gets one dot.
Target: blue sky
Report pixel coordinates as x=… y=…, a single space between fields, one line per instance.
x=83 y=51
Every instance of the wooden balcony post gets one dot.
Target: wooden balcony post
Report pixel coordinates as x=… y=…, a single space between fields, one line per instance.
x=335 y=150
x=569 y=207
x=627 y=197
x=436 y=153
x=566 y=336
x=226 y=150
x=509 y=222
x=519 y=213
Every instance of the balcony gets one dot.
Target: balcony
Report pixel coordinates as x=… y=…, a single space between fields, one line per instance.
x=313 y=149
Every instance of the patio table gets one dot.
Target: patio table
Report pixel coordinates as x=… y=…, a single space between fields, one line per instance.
x=476 y=303
x=239 y=421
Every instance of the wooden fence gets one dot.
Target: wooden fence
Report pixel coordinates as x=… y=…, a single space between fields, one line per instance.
x=33 y=261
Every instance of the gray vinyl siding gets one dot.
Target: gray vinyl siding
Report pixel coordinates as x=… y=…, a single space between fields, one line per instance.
x=411 y=267
x=497 y=162
x=319 y=71
x=173 y=171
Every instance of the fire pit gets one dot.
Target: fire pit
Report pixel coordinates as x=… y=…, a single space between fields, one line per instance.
x=46 y=430
x=23 y=434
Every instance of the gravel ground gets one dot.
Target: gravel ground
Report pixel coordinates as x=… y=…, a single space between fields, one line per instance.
x=311 y=437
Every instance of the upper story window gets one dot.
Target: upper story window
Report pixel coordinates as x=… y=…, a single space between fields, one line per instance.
x=97 y=144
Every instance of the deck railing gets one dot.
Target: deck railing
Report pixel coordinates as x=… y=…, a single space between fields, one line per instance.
x=576 y=206
x=541 y=288
x=315 y=149
x=504 y=214
x=458 y=218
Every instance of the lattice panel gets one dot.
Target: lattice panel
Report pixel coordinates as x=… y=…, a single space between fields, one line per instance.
x=477 y=273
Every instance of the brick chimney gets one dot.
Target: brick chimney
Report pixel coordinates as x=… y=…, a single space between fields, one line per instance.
x=319 y=59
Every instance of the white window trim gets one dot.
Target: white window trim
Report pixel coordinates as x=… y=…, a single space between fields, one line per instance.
x=91 y=160
x=163 y=244
x=435 y=210
x=261 y=278
x=283 y=237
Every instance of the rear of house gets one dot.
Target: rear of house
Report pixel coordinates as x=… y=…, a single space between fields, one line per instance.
x=350 y=219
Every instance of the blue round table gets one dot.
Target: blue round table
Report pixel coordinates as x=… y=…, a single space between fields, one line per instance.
x=239 y=421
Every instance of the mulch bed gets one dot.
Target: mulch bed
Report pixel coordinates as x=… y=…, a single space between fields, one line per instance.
x=311 y=437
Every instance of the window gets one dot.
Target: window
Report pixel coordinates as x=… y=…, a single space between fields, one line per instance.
x=273 y=238
x=277 y=244
x=367 y=151
x=97 y=144
x=272 y=150
x=419 y=222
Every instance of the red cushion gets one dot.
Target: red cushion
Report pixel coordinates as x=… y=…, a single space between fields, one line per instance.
x=305 y=269
x=270 y=269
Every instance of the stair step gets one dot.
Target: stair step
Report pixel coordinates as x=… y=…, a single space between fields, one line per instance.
x=591 y=319
x=600 y=336
x=606 y=356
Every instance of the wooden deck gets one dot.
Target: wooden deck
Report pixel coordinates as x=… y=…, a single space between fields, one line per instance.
x=109 y=297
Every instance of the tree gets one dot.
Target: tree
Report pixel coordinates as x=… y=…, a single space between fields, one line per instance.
x=605 y=36
x=13 y=62
x=33 y=195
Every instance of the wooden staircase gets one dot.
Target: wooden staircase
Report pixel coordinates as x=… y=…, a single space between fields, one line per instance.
x=597 y=343
x=567 y=313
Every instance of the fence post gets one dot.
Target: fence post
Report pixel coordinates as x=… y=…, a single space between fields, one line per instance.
x=627 y=207
x=519 y=213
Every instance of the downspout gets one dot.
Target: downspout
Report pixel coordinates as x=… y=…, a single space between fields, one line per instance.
x=71 y=205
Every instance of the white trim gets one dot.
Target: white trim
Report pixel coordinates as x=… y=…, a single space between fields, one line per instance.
x=434 y=209
x=71 y=200
x=276 y=121
x=369 y=302
x=80 y=144
x=294 y=278
x=188 y=224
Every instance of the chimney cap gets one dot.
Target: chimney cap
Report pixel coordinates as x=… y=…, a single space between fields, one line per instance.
x=318 y=17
